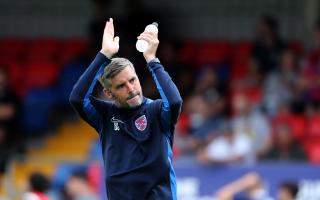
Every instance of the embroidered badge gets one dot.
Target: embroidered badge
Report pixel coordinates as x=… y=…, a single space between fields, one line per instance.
x=141 y=123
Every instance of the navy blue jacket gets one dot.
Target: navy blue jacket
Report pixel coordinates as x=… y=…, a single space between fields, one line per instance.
x=136 y=143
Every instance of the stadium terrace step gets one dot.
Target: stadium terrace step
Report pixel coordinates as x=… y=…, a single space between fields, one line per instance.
x=72 y=142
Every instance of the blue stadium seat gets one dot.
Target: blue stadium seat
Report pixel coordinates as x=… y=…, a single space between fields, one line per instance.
x=64 y=171
x=37 y=108
x=67 y=78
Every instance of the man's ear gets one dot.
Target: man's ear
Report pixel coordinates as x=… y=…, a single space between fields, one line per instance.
x=108 y=93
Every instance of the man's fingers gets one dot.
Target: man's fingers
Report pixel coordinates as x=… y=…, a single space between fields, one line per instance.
x=111 y=26
x=116 y=39
x=146 y=37
x=106 y=26
x=150 y=34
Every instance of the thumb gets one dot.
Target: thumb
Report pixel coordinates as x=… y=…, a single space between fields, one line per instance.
x=116 y=39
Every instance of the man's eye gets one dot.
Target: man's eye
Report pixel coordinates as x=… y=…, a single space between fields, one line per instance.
x=132 y=80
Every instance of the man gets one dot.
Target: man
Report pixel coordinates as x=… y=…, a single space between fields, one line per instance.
x=78 y=187
x=136 y=133
x=248 y=187
x=38 y=186
x=288 y=191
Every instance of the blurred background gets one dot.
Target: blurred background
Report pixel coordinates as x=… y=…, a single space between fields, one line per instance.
x=248 y=71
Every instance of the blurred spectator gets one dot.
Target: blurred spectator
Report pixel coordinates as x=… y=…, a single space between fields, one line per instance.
x=288 y=191
x=285 y=147
x=309 y=84
x=38 y=186
x=204 y=111
x=9 y=121
x=78 y=188
x=252 y=78
x=268 y=44
x=280 y=84
x=248 y=187
x=251 y=123
x=251 y=187
x=208 y=82
x=226 y=148
x=205 y=116
x=4 y=153
x=184 y=80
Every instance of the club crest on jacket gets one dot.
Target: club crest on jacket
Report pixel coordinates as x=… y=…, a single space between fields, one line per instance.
x=141 y=123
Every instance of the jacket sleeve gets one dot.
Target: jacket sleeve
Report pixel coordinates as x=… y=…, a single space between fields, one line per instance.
x=171 y=99
x=83 y=89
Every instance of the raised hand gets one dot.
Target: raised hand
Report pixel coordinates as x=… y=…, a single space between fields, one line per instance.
x=152 y=39
x=110 y=43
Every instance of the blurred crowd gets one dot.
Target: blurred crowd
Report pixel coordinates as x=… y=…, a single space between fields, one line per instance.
x=257 y=101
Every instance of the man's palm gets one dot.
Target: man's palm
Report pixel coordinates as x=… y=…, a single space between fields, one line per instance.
x=110 y=44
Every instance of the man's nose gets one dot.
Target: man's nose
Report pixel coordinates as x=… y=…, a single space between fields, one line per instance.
x=130 y=87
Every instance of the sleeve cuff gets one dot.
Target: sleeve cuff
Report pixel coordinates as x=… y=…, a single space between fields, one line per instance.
x=155 y=60
x=100 y=56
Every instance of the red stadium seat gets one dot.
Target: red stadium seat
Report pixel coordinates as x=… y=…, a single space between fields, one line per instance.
x=12 y=48
x=241 y=51
x=213 y=52
x=188 y=51
x=16 y=74
x=183 y=124
x=313 y=151
x=313 y=127
x=40 y=74
x=239 y=71
x=71 y=49
x=296 y=122
x=296 y=47
x=254 y=94
x=43 y=49
x=75 y=45
x=298 y=125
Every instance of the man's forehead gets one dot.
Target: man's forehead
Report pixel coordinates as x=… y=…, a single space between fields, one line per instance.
x=127 y=73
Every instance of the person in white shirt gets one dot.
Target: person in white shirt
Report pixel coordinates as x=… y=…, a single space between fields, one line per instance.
x=226 y=148
x=253 y=124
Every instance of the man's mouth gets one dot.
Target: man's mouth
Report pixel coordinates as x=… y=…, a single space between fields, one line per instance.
x=132 y=96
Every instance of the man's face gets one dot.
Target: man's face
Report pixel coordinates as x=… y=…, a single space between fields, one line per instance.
x=126 y=89
x=284 y=194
